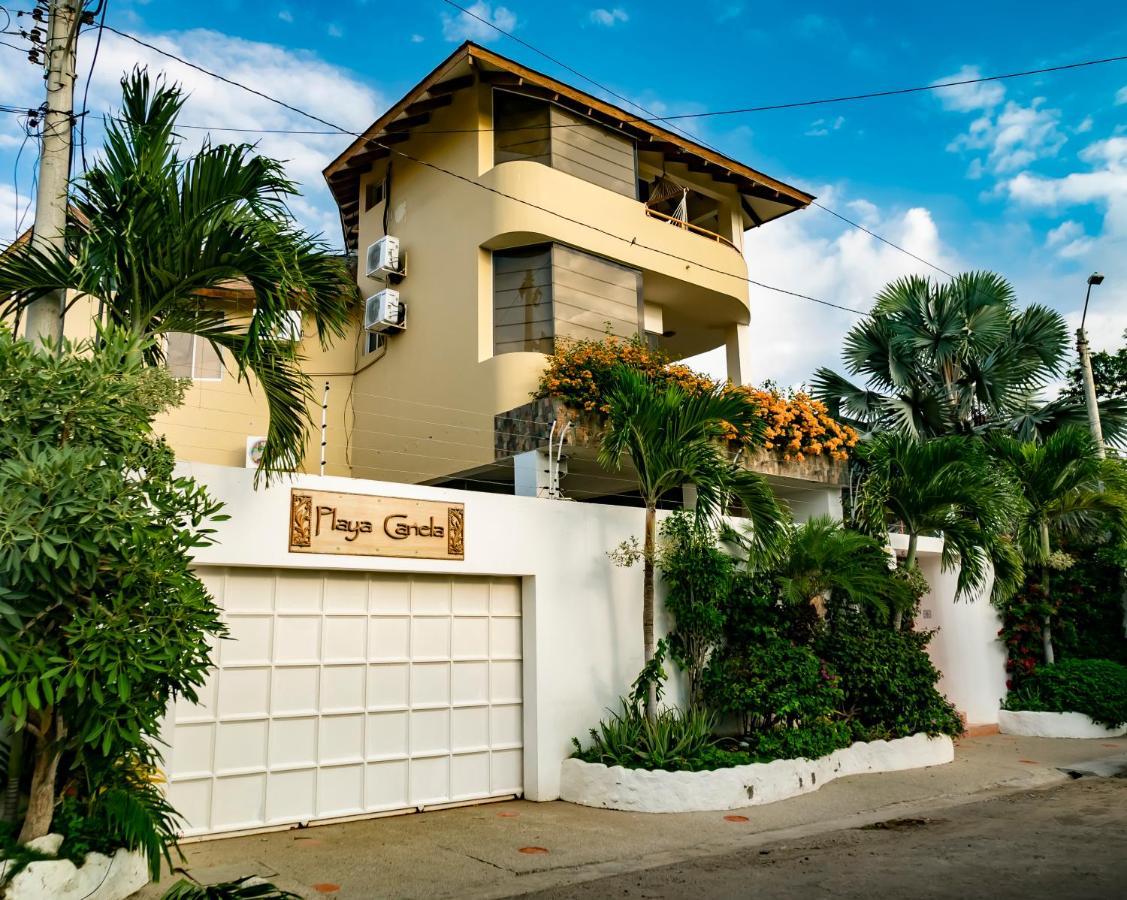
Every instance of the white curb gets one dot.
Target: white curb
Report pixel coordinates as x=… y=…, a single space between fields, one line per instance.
x=1054 y=725
x=642 y=790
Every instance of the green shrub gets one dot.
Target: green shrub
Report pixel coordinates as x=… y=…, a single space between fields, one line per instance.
x=1095 y=687
x=888 y=680
x=674 y=740
x=787 y=701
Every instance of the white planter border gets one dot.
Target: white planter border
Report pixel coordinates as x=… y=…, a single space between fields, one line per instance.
x=99 y=878
x=642 y=790
x=1027 y=723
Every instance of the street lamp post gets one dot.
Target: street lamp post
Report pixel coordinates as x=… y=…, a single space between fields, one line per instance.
x=1086 y=370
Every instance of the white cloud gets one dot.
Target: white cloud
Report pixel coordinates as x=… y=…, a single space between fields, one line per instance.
x=1069 y=240
x=469 y=25
x=417 y=39
x=969 y=97
x=1085 y=125
x=1121 y=95
x=1014 y=137
x=608 y=17
x=811 y=253
x=300 y=78
x=334 y=31
x=822 y=127
x=286 y=16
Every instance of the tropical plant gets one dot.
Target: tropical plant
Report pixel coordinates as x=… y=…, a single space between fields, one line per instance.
x=948 y=487
x=788 y=702
x=672 y=439
x=152 y=233
x=822 y=556
x=1109 y=372
x=1095 y=687
x=796 y=427
x=955 y=358
x=246 y=888
x=102 y=619
x=697 y=575
x=1068 y=490
x=674 y=740
x=888 y=680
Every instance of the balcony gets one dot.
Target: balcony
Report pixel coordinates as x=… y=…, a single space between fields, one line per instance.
x=689 y=226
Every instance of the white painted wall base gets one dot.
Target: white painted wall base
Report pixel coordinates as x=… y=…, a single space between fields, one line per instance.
x=100 y=878
x=640 y=790
x=1054 y=725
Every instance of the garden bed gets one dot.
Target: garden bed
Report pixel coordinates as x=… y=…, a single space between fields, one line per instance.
x=642 y=790
x=1054 y=725
x=100 y=877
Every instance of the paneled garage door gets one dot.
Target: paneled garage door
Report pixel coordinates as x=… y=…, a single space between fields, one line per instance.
x=345 y=694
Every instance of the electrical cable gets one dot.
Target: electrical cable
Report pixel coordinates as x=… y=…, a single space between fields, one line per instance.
x=102 y=7
x=396 y=152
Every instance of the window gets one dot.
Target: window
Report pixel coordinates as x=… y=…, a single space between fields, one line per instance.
x=190 y=356
x=373 y=341
x=549 y=291
x=532 y=129
x=522 y=300
x=373 y=195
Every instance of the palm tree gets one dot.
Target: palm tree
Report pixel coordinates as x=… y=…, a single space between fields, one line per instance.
x=822 y=556
x=944 y=486
x=674 y=438
x=1067 y=489
x=150 y=233
x=955 y=358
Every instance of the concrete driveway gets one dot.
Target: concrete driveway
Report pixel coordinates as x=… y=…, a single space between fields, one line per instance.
x=517 y=847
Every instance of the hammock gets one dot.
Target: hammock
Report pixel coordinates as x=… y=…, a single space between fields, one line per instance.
x=665 y=188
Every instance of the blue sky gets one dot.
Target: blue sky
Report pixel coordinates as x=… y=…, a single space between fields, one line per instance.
x=1026 y=177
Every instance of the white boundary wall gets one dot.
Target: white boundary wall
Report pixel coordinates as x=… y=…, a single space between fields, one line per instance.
x=1054 y=725
x=582 y=615
x=966 y=650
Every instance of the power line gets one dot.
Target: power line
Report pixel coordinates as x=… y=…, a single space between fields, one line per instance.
x=103 y=5
x=478 y=184
x=685 y=134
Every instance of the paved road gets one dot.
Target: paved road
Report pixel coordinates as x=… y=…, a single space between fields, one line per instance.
x=1064 y=842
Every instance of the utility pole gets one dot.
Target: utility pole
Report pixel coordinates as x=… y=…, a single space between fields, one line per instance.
x=45 y=315
x=1086 y=371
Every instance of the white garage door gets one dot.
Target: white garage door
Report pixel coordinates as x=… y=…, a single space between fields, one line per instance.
x=346 y=694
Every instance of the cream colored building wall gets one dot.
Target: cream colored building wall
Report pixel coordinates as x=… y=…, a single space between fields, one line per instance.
x=425 y=409
x=217 y=417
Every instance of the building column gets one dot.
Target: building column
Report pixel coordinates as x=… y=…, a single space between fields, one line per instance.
x=737 y=342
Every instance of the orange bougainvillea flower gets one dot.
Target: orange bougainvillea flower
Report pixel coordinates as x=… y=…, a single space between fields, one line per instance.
x=797 y=426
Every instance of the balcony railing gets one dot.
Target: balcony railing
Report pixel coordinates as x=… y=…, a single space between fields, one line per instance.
x=689 y=226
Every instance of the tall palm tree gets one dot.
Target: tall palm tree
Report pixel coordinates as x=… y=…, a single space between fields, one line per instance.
x=955 y=358
x=944 y=486
x=152 y=232
x=674 y=438
x=822 y=555
x=1067 y=489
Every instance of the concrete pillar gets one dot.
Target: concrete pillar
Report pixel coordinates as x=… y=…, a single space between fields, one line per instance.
x=737 y=343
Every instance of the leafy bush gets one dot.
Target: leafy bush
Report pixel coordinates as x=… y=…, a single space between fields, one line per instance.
x=580 y=372
x=674 y=740
x=787 y=700
x=1095 y=687
x=888 y=680
x=246 y=888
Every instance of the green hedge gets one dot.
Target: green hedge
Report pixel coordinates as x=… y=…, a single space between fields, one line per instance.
x=1095 y=687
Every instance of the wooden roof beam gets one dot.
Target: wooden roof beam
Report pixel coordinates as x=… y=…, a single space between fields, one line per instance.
x=430 y=104
x=450 y=86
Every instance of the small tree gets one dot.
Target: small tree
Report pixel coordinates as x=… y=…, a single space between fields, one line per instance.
x=1067 y=490
x=698 y=579
x=104 y=620
x=673 y=439
x=947 y=487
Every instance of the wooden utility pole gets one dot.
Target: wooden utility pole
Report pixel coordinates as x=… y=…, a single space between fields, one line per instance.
x=45 y=316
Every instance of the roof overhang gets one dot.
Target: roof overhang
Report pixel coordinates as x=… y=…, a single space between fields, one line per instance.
x=762 y=198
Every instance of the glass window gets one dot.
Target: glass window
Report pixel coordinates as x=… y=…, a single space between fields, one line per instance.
x=522 y=300
x=190 y=356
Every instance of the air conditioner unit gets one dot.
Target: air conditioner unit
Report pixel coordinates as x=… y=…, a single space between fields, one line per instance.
x=382 y=258
x=255 y=446
x=385 y=312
